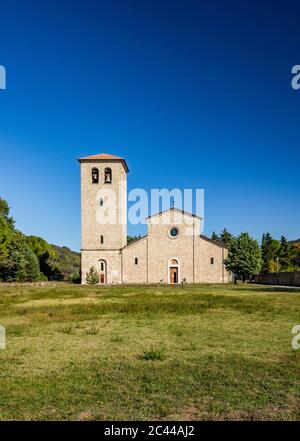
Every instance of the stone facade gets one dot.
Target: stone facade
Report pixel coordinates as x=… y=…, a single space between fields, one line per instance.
x=172 y=252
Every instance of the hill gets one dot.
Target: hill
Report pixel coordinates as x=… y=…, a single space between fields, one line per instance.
x=68 y=261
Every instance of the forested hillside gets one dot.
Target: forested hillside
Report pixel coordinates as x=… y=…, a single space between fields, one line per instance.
x=30 y=258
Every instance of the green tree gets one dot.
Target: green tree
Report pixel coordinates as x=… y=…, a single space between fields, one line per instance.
x=40 y=246
x=19 y=254
x=226 y=237
x=76 y=277
x=21 y=264
x=286 y=255
x=215 y=237
x=4 y=212
x=17 y=261
x=92 y=277
x=244 y=258
x=49 y=267
x=131 y=239
x=296 y=257
x=32 y=266
x=270 y=250
x=67 y=261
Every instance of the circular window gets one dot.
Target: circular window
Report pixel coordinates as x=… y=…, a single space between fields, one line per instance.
x=174 y=232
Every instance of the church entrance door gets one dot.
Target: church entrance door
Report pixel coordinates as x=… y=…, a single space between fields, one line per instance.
x=173 y=274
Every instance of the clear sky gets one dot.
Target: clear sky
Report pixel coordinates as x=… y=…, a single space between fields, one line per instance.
x=194 y=94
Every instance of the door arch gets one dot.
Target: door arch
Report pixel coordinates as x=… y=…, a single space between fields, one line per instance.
x=102 y=272
x=173 y=271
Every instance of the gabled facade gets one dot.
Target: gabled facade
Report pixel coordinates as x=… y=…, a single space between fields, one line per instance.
x=173 y=251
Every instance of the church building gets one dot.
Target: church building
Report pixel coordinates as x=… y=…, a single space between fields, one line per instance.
x=173 y=251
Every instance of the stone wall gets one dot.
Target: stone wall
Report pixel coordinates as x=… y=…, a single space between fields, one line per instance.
x=105 y=220
x=112 y=260
x=287 y=278
x=205 y=270
x=133 y=272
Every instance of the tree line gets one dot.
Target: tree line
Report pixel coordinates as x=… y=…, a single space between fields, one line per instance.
x=247 y=257
x=30 y=258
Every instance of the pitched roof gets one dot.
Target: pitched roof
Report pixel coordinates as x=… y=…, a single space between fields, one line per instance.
x=135 y=242
x=214 y=242
x=174 y=209
x=105 y=157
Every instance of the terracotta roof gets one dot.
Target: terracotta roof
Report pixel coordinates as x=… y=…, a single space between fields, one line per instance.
x=104 y=157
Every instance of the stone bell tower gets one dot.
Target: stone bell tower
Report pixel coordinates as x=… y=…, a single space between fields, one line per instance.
x=103 y=215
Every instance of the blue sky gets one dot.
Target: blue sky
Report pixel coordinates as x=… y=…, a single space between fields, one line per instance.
x=194 y=94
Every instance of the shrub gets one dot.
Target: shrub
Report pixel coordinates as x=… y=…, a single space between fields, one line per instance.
x=75 y=277
x=154 y=354
x=92 y=277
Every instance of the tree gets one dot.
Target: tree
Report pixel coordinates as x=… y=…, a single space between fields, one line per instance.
x=32 y=266
x=92 y=277
x=296 y=256
x=49 y=268
x=40 y=246
x=270 y=249
x=215 y=237
x=76 y=277
x=244 y=258
x=21 y=264
x=4 y=212
x=131 y=239
x=226 y=238
x=24 y=258
x=17 y=260
x=286 y=254
x=67 y=261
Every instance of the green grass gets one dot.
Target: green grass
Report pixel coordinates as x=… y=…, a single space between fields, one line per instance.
x=153 y=354
x=149 y=352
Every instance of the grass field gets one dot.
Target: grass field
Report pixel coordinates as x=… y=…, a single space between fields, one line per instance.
x=150 y=352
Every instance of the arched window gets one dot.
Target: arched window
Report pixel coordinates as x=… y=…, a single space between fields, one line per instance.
x=136 y=261
x=107 y=176
x=212 y=260
x=101 y=239
x=174 y=262
x=95 y=175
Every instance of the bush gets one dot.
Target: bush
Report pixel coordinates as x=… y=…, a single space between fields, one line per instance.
x=154 y=354
x=75 y=277
x=92 y=277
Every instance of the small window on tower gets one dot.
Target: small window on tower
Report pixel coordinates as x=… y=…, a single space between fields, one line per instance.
x=212 y=260
x=95 y=175
x=101 y=239
x=101 y=202
x=107 y=176
x=136 y=261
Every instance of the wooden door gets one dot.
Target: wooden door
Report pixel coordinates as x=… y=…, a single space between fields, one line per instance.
x=173 y=274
